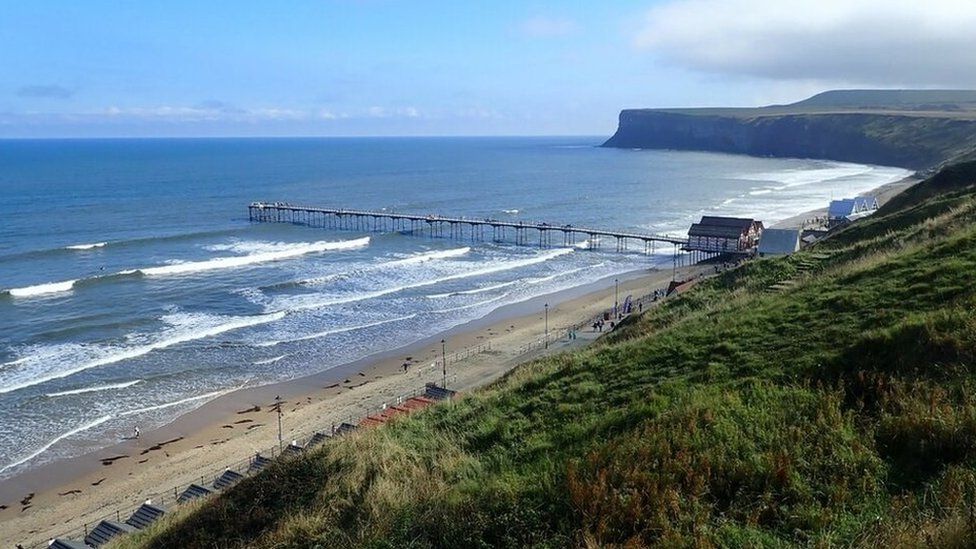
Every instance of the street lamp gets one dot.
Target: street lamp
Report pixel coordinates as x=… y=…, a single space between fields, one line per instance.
x=616 y=289
x=444 y=363
x=547 y=325
x=278 y=409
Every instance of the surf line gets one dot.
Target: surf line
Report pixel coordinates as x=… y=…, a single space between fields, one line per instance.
x=91 y=425
x=190 y=267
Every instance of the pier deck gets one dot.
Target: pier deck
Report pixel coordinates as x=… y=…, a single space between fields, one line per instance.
x=521 y=232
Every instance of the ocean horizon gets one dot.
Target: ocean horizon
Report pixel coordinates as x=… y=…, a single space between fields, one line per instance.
x=133 y=288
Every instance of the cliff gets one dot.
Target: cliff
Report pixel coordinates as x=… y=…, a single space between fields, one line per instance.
x=911 y=129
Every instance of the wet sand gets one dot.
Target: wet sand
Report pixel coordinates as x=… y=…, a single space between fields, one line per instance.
x=60 y=497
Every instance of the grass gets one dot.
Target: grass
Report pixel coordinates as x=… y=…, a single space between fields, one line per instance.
x=837 y=412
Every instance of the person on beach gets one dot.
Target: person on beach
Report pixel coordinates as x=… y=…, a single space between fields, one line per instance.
x=135 y=432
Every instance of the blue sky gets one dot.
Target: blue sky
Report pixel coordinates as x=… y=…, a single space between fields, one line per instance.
x=386 y=67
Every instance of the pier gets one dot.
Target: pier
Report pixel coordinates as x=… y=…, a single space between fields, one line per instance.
x=520 y=232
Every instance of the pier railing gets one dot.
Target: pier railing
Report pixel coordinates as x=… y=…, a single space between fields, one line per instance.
x=458 y=227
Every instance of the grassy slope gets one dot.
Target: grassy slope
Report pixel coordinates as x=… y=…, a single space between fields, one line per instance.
x=838 y=412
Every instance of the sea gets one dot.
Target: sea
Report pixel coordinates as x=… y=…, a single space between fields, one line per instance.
x=133 y=287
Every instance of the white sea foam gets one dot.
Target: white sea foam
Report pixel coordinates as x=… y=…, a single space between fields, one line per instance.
x=286 y=252
x=470 y=305
x=47 y=446
x=542 y=279
x=800 y=177
x=481 y=290
x=538 y=280
x=176 y=268
x=208 y=396
x=43 y=289
x=13 y=363
x=428 y=256
x=86 y=246
x=94 y=389
x=411 y=260
x=54 y=441
x=334 y=331
x=303 y=303
x=268 y=360
x=70 y=359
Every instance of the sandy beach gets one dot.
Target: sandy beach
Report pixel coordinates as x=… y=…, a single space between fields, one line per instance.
x=64 y=497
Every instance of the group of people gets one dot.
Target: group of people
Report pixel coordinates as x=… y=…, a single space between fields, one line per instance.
x=599 y=324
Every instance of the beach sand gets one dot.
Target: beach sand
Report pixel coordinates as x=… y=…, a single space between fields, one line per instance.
x=63 y=497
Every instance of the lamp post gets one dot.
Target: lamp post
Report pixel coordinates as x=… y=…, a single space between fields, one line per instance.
x=444 y=363
x=278 y=409
x=674 y=264
x=616 y=289
x=547 y=325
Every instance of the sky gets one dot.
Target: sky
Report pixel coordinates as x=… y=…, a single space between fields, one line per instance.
x=424 y=67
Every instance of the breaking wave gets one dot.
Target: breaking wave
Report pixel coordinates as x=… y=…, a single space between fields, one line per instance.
x=285 y=251
x=498 y=267
x=411 y=260
x=94 y=388
x=86 y=246
x=71 y=359
x=54 y=441
x=332 y=331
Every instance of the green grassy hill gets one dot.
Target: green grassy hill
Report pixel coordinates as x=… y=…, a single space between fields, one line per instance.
x=840 y=411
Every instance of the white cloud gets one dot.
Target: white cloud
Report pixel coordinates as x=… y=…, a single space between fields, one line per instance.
x=547 y=27
x=872 y=42
x=398 y=112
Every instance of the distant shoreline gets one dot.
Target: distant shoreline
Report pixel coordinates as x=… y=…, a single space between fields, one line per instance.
x=883 y=193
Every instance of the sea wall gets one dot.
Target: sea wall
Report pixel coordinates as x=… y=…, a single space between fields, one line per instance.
x=914 y=142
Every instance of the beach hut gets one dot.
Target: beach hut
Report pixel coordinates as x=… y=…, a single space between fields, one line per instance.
x=293 y=449
x=317 y=438
x=227 y=479
x=841 y=209
x=865 y=204
x=146 y=514
x=434 y=392
x=724 y=234
x=779 y=242
x=67 y=544
x=105 y=531
x=258 y=464
x=193 y=491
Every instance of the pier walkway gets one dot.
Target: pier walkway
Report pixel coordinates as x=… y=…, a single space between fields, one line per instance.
x=521 y=232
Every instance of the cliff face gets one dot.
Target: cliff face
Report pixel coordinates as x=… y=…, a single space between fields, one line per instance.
x=915 y=142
